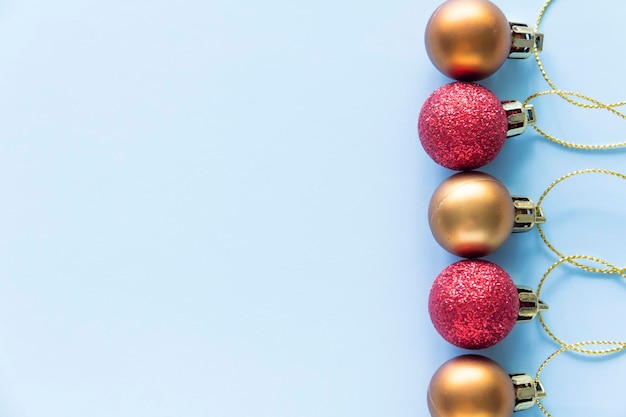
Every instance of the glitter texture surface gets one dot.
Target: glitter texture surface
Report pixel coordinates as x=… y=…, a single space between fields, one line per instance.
x=473 y=304
x=462 y=126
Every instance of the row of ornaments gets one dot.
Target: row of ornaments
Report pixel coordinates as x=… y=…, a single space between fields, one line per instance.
x=474 y=303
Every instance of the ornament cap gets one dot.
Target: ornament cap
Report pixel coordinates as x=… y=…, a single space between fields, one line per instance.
x=529 y=304
x=518 y=117
x=524 y=40
x=527 y=391
x=527 y=215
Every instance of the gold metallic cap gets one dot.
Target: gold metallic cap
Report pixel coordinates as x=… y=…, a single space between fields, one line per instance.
x=526 y=214
x=524 y=40
x=529 y=304
x=527 y=391
x=518 y=116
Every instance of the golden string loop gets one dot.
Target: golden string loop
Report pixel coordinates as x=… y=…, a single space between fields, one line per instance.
x=610 y=269
x=607 y=270
x=615 y=347
x=571 y=97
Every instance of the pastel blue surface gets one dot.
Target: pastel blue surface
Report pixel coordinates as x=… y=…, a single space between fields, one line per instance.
x=219 y=208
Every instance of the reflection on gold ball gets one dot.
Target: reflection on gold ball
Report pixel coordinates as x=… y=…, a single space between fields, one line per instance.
x=471 y=386
x=468 y=40
x=471 y=214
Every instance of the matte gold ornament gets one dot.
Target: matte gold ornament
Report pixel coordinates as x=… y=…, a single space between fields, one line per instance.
x=471 y=214
x=469 y=40
x=476 y=386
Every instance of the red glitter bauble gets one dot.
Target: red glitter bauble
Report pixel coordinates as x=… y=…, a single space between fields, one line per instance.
x=473 y=304
x=462 y=126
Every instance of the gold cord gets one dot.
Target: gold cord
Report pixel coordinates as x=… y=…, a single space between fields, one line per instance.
x=587 y=102
x=610 y=269
x=616 y=347
x=596 y=105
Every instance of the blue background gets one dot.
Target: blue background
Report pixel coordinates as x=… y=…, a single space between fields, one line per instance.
x=218 y=208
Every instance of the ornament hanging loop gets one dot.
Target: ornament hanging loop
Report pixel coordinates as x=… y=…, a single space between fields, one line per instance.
x=610 y=348
x=610 y=269
x=590 y=103
x=564 y=95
